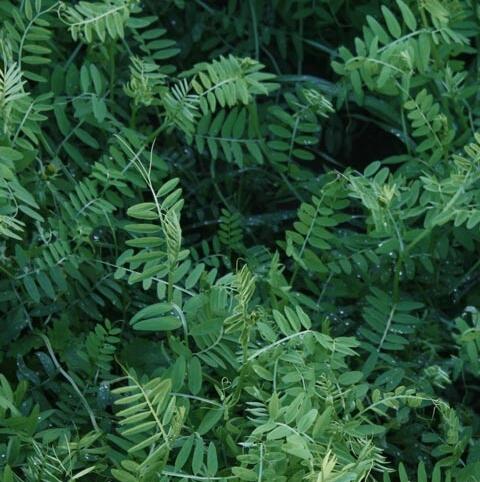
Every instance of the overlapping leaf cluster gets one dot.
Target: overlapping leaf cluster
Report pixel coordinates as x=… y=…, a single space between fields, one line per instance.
x=239 y=240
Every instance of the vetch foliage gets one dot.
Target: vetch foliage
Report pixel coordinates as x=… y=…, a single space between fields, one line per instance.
x=239 y=241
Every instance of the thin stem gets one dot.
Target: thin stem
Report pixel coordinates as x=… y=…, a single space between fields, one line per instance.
x=387 y=327
x=71 y=381
x=183 y=320
x=278 y=342
x=384 y=401
x=199 y=399
x=157 y=280
x=254 y=28
x=216 y=187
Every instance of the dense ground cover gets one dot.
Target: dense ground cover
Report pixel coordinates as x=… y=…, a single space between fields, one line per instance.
x=239 y=240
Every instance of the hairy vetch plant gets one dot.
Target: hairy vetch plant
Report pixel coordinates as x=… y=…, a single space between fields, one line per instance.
x=239 y=241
